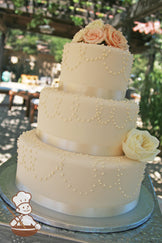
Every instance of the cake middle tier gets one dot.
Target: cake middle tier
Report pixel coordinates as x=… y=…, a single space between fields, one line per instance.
x=84 y=124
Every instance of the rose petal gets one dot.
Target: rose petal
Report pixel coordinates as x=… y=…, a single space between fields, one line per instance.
x=93 y=36
x=115 y=38
x=78 y=37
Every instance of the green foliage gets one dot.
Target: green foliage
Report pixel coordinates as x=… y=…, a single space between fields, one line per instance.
x=89 y=4
x=18 y=4
x=147 y=80
x=151 y=104
x=27 y=42
x=77 y=20
x=22 y=42
x=41 y=8
x=52 y=8
x=56 y=45
x=38 y=20
x=138 y=71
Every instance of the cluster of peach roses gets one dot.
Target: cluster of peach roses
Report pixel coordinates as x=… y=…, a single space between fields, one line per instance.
x=97 y=33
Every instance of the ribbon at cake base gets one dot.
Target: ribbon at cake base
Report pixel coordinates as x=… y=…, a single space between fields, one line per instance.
x=95 y=92
x=77 y=147
x=75 y=210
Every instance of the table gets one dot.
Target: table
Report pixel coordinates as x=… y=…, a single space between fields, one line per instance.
x=4 y=90
x=151 y=231
x=26 y=95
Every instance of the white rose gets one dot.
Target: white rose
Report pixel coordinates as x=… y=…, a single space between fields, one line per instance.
x=78 y=37
x=140 y=145
x=95 y=24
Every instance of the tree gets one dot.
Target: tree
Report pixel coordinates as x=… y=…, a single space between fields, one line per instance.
x=148 y=82
x=28 y=42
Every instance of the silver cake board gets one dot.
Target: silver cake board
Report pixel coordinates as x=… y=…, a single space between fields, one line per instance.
x=139 y=215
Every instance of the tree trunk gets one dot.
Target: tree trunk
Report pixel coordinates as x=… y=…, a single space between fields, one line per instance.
x=2 y=43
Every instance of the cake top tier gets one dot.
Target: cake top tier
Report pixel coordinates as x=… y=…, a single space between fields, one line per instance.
x=98 y=33
x=97 y=62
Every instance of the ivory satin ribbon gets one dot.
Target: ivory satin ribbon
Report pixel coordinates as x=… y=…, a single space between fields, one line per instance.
x=76 y=210
x=96 y=92
x=74 y=146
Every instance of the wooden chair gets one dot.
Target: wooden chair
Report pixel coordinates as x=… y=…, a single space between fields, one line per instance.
x=27 y=97
x=33 y=107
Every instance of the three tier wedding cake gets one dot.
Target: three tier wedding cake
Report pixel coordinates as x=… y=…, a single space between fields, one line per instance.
x=85 y=158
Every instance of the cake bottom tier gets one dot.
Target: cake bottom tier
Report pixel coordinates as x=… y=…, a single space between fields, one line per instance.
x=77 y=184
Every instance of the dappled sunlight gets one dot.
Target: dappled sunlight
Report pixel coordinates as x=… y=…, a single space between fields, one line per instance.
x=154 y=169
x=13 y=123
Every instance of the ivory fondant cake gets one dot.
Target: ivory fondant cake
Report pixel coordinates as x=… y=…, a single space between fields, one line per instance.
x=83 y=124
x=96 y=70
x=85 y=158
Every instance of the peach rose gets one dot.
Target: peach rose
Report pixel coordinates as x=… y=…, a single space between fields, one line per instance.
x=140 y=145
x=115 y=38
x=93 y=36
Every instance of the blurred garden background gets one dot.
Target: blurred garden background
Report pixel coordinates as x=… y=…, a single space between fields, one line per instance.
x=32 y=36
